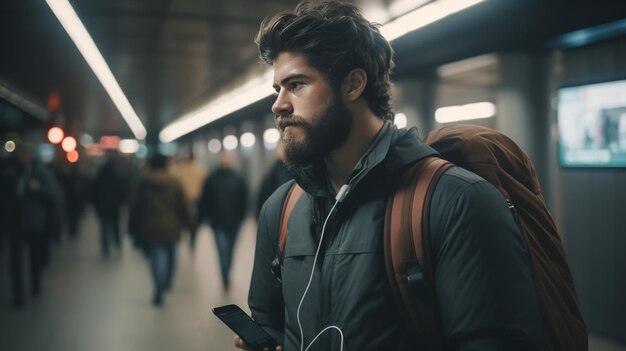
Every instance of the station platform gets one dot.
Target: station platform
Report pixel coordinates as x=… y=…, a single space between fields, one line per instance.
x=89 y=303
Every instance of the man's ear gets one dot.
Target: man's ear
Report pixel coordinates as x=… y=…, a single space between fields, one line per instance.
x=355 y=81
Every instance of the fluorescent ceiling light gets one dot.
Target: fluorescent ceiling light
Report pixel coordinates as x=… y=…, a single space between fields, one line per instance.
x=9 y=146
x=400 y=7
x=400 y=120
x=230 y=142
x=74 y=27
x=261 y=87
x=128 y=146
x=375 y=12
x=424 y=16
x=249 y=93
x=467 y=65
x=247 y=139
x=467 y=112
x=214 y=146
x=588 y=35
x=271 y=135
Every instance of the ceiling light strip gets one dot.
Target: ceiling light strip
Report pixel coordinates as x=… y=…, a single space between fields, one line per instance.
x=467 y=65
x=85 y=44
x=466 y=112
x=262 y=88
x=253 y=91
x=424 y=16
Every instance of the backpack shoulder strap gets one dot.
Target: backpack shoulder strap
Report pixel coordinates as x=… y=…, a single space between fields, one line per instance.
x=292 y=198
x=406 y=234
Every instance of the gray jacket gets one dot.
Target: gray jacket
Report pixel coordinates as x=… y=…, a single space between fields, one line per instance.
x=484 y=287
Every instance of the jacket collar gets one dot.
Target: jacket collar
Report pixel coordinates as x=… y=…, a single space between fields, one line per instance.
x=392 y=149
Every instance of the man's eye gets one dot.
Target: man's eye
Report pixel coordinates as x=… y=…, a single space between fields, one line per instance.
x=294 y=85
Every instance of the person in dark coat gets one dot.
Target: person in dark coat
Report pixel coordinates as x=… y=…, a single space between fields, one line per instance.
x=37 y=199
x=75 y=185
x=224 y=203
x=8 y=183
x=109 y=194
x=158 y=212
x=9 y=219
x=331 y=76
x=278 y=175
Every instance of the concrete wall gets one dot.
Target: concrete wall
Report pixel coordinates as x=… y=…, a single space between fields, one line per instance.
x=592 y=204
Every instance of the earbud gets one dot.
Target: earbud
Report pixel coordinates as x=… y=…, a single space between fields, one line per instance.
x=343 y=192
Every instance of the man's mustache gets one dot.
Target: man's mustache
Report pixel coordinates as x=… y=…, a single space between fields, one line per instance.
x=292 y=120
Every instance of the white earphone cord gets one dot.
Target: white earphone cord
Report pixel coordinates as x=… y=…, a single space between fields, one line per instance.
x=340 y=196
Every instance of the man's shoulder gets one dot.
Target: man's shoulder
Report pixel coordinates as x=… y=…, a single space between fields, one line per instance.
x=271 y=213
x=458 y=183
x=459 y=175
x=466 y=213
x=274 y=204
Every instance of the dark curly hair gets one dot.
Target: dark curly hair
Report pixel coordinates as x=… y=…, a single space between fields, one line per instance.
x=335 y=38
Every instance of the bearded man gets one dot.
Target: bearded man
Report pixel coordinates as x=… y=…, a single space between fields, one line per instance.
x=331 y=76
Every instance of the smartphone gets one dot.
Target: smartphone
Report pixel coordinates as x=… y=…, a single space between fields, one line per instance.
x=244 y=326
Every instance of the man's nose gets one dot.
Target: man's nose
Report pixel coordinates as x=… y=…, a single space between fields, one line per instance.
x=282 y=106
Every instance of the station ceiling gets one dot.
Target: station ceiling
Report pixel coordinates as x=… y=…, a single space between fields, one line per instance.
x=171 y=56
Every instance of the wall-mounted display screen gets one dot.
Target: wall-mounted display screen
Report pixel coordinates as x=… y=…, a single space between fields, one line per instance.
x=592 y=125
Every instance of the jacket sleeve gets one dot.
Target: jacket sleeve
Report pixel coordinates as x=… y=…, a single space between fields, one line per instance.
x=243 y=198
x=134 y=209
x=186 y=218
x=265 y=298
x=203 y=203
x=483 y=276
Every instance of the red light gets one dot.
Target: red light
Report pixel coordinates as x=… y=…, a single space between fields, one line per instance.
x=72 y=156
x=53 y=102
x=109 y=142
x=68 y=144
x=55 y=135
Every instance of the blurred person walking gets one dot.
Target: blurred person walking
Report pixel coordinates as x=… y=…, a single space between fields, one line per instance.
x=10 y=172
x=191 y=175
x=110 y=193
x=76 y=188
x=223 y=204
x=33 y=211
x=8 y=179
x=157 y=213
x=278 y=175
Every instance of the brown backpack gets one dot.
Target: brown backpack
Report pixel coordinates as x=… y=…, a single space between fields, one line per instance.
x=499 y=160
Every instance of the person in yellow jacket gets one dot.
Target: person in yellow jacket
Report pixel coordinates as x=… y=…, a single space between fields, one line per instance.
x=191 y=175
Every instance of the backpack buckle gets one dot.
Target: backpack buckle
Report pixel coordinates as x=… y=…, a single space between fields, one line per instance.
x=415 y=277
x=277 y=269
x=513 y=211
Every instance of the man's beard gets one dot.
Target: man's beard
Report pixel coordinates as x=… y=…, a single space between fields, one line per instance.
x=324 y=133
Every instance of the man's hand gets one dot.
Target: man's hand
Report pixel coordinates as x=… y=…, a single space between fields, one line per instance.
x=242 y=345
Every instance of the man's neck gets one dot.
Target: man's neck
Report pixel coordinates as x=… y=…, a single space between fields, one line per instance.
x=341 y=161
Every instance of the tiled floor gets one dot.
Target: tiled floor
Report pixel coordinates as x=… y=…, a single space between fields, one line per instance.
x=92 y=304
x=96 y=305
